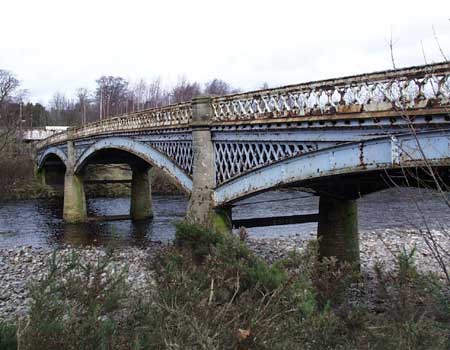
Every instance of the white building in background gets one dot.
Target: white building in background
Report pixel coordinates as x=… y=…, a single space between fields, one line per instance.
x=37 y=134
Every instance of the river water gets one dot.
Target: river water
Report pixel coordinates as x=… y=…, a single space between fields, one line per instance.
x=39 y=223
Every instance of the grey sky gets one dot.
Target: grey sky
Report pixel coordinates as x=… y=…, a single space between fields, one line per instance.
x=60 y=45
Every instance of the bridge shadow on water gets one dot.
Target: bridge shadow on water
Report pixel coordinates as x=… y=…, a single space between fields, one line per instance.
x=39 y=222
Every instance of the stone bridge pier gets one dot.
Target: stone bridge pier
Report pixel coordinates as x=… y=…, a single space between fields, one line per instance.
x=141 y=193
x=337 y=230
x=74 y=210
x=201 y=207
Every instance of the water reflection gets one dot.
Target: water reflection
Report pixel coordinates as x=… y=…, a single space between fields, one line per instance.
x=39 y=222
x=101 y=233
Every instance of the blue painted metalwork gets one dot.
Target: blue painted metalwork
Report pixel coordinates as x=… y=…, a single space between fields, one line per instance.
x=57 y=151
x=267 y=138
x=141 y=150
x=427 y=149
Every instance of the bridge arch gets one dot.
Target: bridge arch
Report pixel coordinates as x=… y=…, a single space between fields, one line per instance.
x=331 y=165
x=140 y=150
x=52 y=151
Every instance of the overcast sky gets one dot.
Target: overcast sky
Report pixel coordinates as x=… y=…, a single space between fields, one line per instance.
x=60 y=45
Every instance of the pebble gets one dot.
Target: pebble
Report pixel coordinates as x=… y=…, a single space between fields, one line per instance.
x=375 y=247
x=22 y=265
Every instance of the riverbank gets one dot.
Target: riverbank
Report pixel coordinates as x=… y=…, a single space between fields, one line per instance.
x=376 y=247
x=22 y=265
x=29 y=186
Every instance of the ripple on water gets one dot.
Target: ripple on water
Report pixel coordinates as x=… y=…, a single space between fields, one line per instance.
x=39 y=222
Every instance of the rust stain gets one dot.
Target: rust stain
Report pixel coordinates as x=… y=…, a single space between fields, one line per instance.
x=361 y=155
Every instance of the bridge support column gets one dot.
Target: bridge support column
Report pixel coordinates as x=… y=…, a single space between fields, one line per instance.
x=338 y=229
x=141 y=194
x=39 y=175
x=74 y=198
x=201 y=209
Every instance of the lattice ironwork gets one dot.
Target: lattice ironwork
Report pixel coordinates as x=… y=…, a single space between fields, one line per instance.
x=175 y=115
x=236 y=158
x=410 y=88
x=179 y=151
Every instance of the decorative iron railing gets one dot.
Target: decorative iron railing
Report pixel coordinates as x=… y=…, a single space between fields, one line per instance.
x=393 y=90
x=407 y=88
x=173 y=115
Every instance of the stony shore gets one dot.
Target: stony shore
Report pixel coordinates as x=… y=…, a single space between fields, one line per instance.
x=20 y=266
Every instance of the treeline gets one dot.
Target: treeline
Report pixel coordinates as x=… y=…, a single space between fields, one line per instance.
x=114 y=96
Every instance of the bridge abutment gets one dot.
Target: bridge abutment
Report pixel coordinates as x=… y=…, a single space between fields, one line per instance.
x=74 y=197
x=201 y=209
x=141 y=194
x=338 y=229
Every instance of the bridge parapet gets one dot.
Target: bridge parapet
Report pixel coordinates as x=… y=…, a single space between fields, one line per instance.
x=393 y=90
x=164 y=117
x=421 y=89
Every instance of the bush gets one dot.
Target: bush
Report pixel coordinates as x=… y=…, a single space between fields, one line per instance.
x=74 y=306
x=232 y=299
x=198 y=240
x=211 y=292
x=8 y=339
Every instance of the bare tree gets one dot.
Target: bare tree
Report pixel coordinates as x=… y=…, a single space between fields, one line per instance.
x=9 y=118
x=184 y=91
x=83 y=100
x=8 y=85
x=138 y=95
x=155 y=94
x=427 y=177
x=111 y=93
x=63 y=110
x=219 y=87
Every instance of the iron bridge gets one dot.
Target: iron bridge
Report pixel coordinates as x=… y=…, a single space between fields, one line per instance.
x=339 y=138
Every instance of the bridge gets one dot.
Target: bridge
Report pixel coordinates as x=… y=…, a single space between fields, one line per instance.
x=338 y=138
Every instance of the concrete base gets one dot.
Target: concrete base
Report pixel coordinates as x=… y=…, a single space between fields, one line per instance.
x=201 y=212
x=338 y=229
x=74 y=199
x=141 y=195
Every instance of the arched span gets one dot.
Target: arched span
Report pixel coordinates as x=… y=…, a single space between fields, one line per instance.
x=52 y=151
x=142 y=151
x=385 y=153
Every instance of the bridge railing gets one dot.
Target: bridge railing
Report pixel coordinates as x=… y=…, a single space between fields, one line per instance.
x=174 y=115
x=408 y=88
x=394 y=90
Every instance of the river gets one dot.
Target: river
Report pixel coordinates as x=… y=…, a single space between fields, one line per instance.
x=38 y=223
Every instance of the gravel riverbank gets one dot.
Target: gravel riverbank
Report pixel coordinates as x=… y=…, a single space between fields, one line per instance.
x=376 y=246
x=22 y=265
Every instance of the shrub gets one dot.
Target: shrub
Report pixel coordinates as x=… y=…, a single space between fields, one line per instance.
x=198 y=240
x=74 y=306
x=8 y=340
x=232 y=299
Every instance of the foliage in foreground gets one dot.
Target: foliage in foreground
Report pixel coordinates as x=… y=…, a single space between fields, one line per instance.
x=211 y=292
x=8 y=339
